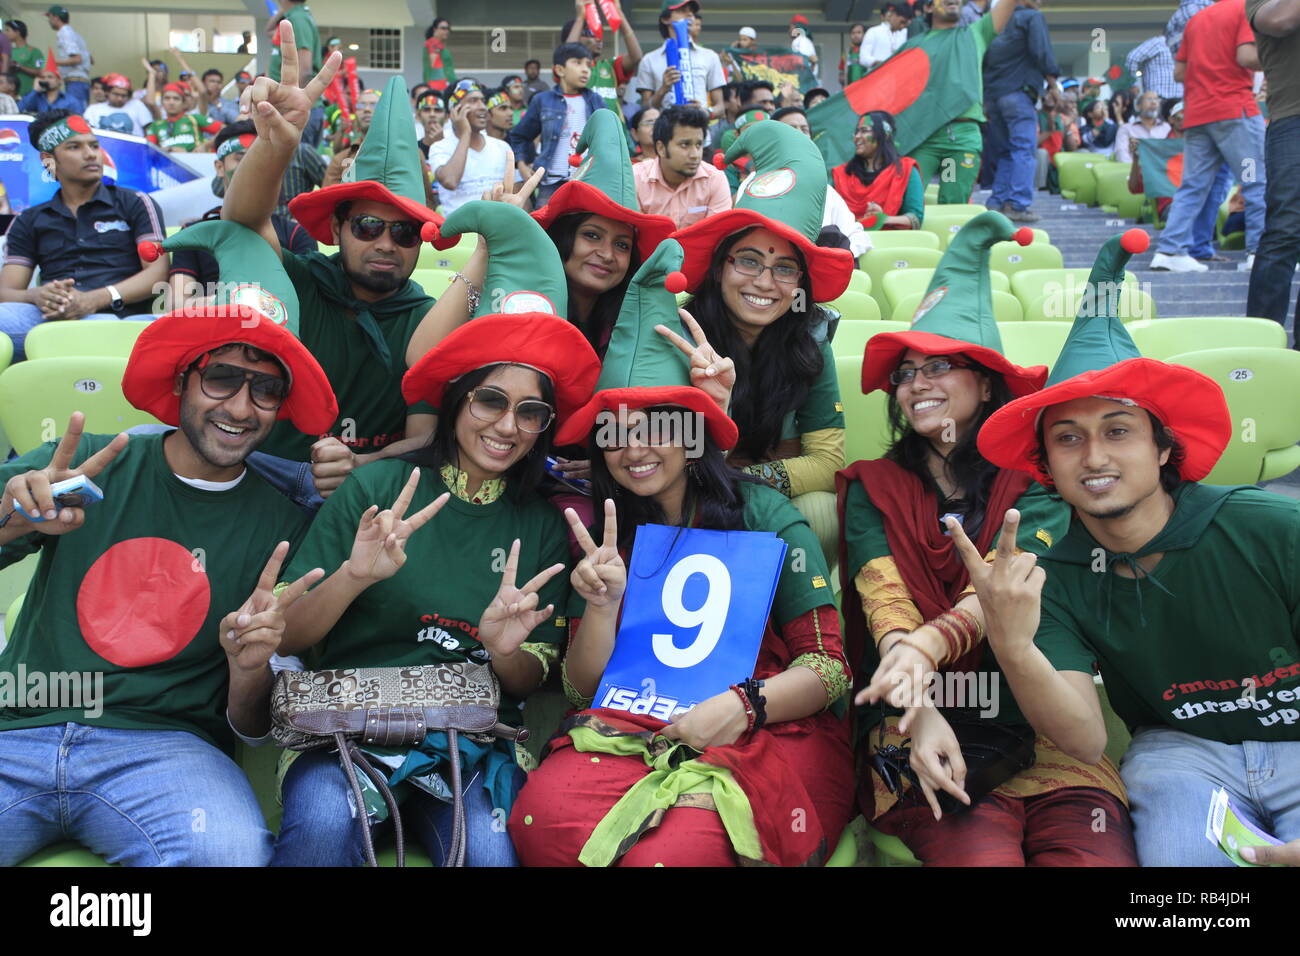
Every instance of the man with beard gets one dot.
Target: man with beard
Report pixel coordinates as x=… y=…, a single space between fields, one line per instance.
x=359 y=307
x=157 y=602
x=1183 y=595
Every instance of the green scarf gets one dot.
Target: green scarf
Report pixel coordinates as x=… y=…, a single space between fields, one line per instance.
x=335 y=286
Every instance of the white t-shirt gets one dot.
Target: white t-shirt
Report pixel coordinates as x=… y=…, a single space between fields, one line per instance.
x=575 y=118
x=879 y=44
x=483 y=169
x=131 y=118
x=706 y=70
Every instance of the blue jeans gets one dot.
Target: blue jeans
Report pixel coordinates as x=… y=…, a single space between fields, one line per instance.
x=1202 y=246
x=1240 y=144
x=1013 y=131
x=1170 y=776
x=19 y=318
x=136 y=797
x=318 y=828
x=1279 y=247
x=78 y=90
x=311 y=133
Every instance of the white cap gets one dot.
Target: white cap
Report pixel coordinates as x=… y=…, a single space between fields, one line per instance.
x=749 y=32
x=1177 y=108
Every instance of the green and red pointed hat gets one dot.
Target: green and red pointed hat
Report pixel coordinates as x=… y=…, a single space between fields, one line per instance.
x=603 y=184
x=255 y=305
x=786 y=196
x=387 y=169
x=956 y=315
x=524 y=271
x=642 y=369
x=1099 y=360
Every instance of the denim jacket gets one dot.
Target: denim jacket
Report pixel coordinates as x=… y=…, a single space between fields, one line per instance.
x=545 y=115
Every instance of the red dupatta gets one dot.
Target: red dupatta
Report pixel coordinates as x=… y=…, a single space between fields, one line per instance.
x=886 y=190
x=926 y=559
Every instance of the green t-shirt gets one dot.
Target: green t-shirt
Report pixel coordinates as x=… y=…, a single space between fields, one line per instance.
x=136 y=594
x=821 y=407
x=183 y=133
x=1044 y=518
x=935 y=42
x=27 y=55
x=372 y=412
x=305 y=37
x=428 y=612
x=1177 y=649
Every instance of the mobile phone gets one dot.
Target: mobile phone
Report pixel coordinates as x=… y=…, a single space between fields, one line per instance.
x=75 y=492
x=581 y=485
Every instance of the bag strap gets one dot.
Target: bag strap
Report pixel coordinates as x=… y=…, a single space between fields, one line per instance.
x=350 y=774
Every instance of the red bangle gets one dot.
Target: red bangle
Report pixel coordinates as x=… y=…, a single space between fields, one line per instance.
x=750 y=717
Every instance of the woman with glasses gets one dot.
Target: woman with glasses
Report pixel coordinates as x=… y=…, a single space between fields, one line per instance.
x=757 y=273
x=927 y=660
x=877 y=182
x=758 y=772
x=482 y=582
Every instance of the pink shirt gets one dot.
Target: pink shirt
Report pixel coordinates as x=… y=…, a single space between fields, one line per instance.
x=702 y=195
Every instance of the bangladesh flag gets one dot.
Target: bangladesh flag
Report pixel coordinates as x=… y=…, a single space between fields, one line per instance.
x=1162 y=166
x=776 y=64
x=925 y=85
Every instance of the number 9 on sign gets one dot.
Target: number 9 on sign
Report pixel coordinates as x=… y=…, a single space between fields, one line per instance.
x=710 y=617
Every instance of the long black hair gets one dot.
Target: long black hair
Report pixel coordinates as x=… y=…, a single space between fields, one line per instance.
x=774 y=377
x=604 y=313
x=442 y=449
x=972 y=473
x=712 y=492
x=882 y=127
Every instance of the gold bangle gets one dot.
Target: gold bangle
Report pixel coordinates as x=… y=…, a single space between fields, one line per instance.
x=920 y=650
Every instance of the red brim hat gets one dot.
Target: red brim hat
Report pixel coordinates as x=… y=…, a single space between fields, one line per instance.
x=583 y=197
x=553 y=346
x=828 y=269
x=315 y=209
x=168 y=345
x=886 y=349
x=1188 y=403
x=577 y=429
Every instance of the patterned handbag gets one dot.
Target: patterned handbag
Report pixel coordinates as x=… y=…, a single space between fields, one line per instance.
x=390 y=707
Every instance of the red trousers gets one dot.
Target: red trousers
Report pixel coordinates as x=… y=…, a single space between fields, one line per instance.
x=1074 y=826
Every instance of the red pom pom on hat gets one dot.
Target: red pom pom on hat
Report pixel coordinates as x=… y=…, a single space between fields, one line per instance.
x=719 y=160
x=575 y=159
x=1024 y=235
x=430 y=233
x=149 y=250
x=675 y=282
x=1135 y=241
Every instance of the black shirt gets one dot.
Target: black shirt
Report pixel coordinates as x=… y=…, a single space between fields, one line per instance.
x=95 y=248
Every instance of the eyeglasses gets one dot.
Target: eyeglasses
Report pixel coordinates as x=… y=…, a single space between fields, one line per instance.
x=369 y=228
x=220 y=381
x=781 y=272
x=933 y=370
x=488 y=403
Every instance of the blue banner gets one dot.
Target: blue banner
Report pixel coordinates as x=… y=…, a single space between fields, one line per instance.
x=128 y=161
x=694 y=613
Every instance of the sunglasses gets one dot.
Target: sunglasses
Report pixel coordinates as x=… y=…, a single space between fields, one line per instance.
x=220 y=381
x=489 y=404
x=369 y=228
x=781 y=272
x=933 y=370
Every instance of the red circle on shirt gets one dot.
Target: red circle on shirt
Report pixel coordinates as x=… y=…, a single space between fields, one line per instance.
x=894 y=86
x=1174 y=169
x=143 y=601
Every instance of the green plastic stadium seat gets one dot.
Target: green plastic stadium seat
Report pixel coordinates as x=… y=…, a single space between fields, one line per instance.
x=906 y=238
x=1029 y=285
x=60 y=339
x=899 y=284
x=1006 y=307
x=877 y=262
x=1161 y=338
x=1078 y=184
x=37 y=398
x=866 y=418
x=1008 y=258
x=1259 y=384
x=432 y=281
x=848 y=849
x=859 y=281
x=1133 y=304
x=851 y=337
x=856 y=306
x=967 y=209
x=886 y=850
x=932 y=194
x=1112 y=191
x=6 y=354
x=944 y=225
x=453 y=259
x=1033 y=343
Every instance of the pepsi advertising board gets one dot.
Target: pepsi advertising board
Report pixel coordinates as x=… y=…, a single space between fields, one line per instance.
x=128 y=161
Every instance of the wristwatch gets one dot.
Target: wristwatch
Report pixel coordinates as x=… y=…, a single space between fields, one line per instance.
x=115 y=298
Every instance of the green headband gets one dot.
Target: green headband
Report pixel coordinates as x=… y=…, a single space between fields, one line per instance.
x=236 y=144
x=61 y=132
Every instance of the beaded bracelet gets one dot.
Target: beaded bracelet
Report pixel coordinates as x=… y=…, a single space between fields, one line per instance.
x=750 y=716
